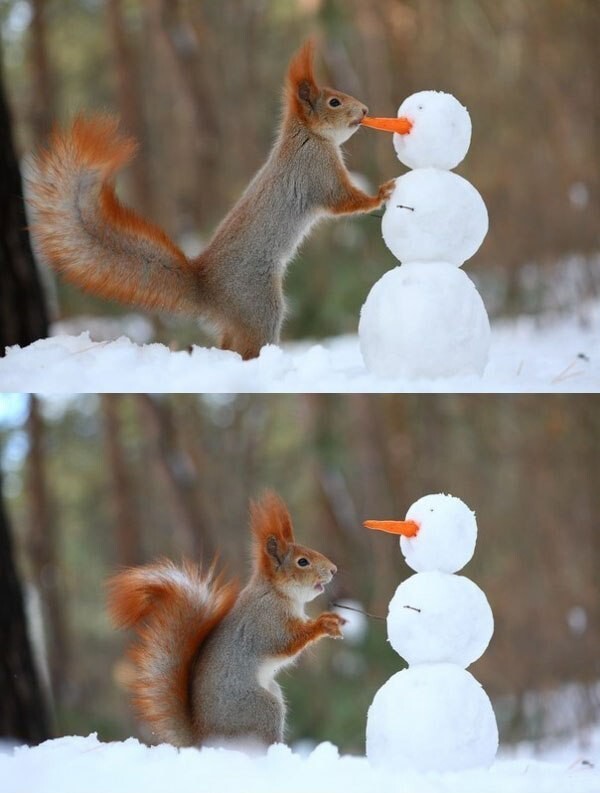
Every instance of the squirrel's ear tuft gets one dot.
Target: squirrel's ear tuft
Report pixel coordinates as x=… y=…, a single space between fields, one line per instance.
x=271 y=527
x=302 y=88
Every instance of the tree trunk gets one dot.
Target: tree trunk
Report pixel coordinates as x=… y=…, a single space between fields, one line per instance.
x=42 y=542
x=23 y=315
x=129 y=103
x=43 y=93
x=23 y=714
x=127 y=527
x=179 y=476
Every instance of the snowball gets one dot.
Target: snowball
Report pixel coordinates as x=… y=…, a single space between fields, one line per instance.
x=441 y=132
x=433 y=215
x=439 y=618
x=424 y=320
x=433 y=717
x=446 y=538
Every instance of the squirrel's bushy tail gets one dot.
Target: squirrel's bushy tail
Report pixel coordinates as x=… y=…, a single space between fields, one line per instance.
x=172 y=609
x=82 y=231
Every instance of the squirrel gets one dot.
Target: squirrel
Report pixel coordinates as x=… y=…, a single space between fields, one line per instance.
x=207 y=655
x=81 y=230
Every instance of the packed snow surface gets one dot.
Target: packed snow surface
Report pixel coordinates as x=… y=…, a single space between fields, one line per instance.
x=439 y=617
x=85 y=765
x=434 y=215
x=441 y=132
x=446 y=537
x=527 y=355
x=431 y=717
x=424 y=320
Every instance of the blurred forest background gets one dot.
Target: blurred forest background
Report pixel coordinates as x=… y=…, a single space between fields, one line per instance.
x=199 y=83
x=94 y=482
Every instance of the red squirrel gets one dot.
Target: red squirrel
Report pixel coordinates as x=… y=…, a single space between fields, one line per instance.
x=206 y=657
x=236 y=283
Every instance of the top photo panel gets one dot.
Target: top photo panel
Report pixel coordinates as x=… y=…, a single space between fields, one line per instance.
x=313 y=195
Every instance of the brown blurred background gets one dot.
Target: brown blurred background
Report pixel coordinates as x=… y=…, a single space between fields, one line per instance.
x=199 y=84
x=91 y=483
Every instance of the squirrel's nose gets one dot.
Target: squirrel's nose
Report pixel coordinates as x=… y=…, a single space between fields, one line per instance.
x=365 y=110
x=333 y=570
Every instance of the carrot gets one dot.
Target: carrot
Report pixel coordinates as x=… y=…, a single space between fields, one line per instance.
x=408 y=528
x=400 y=125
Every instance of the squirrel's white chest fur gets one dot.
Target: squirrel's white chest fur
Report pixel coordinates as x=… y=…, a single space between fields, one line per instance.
x=269 y=668
x=271 y=665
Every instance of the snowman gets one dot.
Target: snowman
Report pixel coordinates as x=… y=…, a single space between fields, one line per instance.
x=434 y=716
x=426 y=318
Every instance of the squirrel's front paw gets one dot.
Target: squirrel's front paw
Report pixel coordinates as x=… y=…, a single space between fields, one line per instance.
x=332 y=624
x=386 y=190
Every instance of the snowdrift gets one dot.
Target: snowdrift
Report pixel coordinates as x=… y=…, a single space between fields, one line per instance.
x=86 y=765
x=526 y=356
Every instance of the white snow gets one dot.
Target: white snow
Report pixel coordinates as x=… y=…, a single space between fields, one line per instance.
x=439 y=618
x=446 y=537
x=431 y=717
x=441 y=132
x=549 y=354
x=434 y=215
x=424 y=320
x=86 y=765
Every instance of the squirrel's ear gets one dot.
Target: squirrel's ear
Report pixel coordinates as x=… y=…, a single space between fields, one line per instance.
x=302 y=88
x=273 y=549
x=272 y=528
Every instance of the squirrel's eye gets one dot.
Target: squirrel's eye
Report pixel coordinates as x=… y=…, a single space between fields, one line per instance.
x=334 y=102
x=302 y=562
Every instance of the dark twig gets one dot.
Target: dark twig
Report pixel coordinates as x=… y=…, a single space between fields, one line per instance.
x=351 y=608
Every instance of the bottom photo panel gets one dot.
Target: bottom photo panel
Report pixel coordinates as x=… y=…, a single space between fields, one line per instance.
x=305 y=592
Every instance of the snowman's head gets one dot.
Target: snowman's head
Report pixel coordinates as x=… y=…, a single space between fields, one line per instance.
x=439 y=533
x=440 y=134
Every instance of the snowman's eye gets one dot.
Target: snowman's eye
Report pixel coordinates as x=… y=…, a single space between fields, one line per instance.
x=420 y=107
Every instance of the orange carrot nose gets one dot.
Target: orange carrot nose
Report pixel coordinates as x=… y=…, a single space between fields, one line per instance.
x=400 y=125
x=408 y=528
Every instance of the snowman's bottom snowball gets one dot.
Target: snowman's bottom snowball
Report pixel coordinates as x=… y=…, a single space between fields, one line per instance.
x=424 y=319
x=431 y=717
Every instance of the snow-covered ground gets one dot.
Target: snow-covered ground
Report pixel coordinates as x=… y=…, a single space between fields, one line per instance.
x=85 y=765
x=560 y=354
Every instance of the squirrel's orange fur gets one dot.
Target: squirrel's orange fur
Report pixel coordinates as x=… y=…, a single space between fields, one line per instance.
x=206 y=655
x=236 y=283
x=96 y=145
x=171 y=622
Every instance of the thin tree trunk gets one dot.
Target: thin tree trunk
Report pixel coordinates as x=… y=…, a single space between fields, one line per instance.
x=127 y=527
x=43 y=93
x=130 y=104
x=23 y=715
x=23 y=315
x=177 y=472
x=42 y=550
x=177 y=47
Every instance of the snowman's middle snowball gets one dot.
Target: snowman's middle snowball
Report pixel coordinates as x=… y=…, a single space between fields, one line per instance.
x=434 y=215
x=439 y=618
